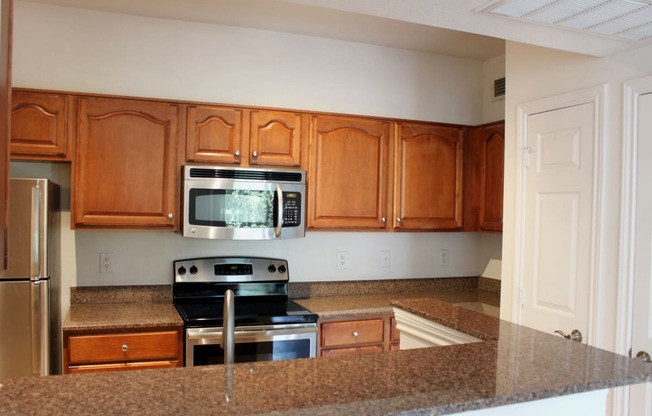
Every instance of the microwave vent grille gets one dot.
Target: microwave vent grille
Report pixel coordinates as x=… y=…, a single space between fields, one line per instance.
x=250 y=174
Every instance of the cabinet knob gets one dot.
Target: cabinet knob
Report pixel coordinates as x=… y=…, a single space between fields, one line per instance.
x=356 y=334
x=237 y=153
x=384 y=220
x=170 y=216
x=125 y=347
x=399 y=220
x=255 y=154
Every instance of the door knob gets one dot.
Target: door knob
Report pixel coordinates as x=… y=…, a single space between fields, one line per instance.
x=644 y=356
x=574 y=336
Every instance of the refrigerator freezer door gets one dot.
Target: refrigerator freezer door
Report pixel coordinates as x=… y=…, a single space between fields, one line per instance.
x=28 y=243
x=24 y=329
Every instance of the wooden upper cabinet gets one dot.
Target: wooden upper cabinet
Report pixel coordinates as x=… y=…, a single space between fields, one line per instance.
x=492 y=159
x=275 y=138
x=484 y=158
x=223 y=135
x=348 y=175
x=214 y=134
x=428 y=177
x=126 y=167
x=41 y=125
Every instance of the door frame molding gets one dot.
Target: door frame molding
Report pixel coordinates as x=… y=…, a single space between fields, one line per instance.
x=632 y=90
x=598 y=97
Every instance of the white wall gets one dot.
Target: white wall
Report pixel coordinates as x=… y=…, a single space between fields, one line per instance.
x=68 y=49
x=534 y=73
x=80 y=50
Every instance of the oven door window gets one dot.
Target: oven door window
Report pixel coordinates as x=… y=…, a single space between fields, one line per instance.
x=253 y=351
x=232 y=208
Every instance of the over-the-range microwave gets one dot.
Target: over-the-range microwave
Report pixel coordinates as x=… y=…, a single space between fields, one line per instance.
x=243 y=204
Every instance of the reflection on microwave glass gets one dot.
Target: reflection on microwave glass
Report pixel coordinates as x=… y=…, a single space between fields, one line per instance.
x=237 y=208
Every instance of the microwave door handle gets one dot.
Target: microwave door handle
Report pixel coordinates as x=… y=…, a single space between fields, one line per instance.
x=279 y=219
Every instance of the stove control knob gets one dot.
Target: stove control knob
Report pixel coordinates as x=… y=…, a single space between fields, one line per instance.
x=193 y=269
x=282 y=269
x=181 y=271
x=271 y=268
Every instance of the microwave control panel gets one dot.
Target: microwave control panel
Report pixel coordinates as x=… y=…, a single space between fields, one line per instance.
x=291 y=209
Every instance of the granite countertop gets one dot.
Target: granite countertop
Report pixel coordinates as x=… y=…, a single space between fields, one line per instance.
x=381 y=303
x=127 y=315
x=127 y=307
x=519 y=365
x=514 y=364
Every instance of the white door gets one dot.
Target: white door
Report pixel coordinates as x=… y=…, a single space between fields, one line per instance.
x=557 y=220
x=641 y=396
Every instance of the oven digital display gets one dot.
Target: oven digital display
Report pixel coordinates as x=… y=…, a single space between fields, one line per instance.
x=233 y=269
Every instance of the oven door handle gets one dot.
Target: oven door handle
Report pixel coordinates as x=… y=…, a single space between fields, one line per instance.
x=280 y=206
x=241 y=334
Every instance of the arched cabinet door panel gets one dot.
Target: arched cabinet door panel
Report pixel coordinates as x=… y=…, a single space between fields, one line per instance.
x=428 y=177
x=126 y=167
x=41 y=125
x=348 y=176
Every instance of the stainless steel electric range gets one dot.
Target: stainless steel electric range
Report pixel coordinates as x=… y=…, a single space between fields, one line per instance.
x=267 y=325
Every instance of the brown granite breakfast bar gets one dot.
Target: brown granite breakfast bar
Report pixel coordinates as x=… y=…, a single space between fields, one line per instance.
x=514 y=364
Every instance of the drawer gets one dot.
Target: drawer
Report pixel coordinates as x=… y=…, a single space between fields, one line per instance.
x=352 y=333
x=102 y=368
x=354 y=350
x=123 y=347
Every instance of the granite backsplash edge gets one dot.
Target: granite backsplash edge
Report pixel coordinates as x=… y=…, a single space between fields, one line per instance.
x=297 y=290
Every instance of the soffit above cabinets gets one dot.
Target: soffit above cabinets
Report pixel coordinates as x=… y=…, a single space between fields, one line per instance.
x=622 y=19
x=300 y=19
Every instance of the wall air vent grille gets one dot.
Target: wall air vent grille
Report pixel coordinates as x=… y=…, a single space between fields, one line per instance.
x=250 y=174
x=499 y=88
x=623 y=19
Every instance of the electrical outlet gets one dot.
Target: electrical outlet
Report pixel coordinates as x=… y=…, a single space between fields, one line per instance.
x=106 y=262
x=384 y=258
x=444 y=257
x=342 y=259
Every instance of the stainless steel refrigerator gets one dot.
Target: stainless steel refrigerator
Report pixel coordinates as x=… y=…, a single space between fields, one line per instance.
x=29 y=288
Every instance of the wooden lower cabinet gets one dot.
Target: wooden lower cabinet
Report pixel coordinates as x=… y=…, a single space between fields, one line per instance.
x=100 y=351
x=353 y=336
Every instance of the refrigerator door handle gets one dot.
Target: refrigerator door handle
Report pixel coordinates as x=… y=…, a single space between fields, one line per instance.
x=36 y=328
x=35 y=232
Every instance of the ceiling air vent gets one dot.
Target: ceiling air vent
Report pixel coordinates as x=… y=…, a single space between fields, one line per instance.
x=499 y=89
x=622 y=19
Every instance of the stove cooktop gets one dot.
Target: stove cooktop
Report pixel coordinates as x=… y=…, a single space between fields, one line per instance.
x=247 y=313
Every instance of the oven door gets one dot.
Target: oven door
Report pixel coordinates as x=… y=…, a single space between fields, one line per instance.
x=252 y=343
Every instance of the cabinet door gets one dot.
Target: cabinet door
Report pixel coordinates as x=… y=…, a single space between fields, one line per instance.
x=491 y=189
x=428 y=177
x=214 y=134
x=347 y=183
x=275 y=138
x=126 y=166
x=41 y=126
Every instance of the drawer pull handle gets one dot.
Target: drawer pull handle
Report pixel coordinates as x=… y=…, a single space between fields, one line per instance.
x=125 y=347
x=356 y=334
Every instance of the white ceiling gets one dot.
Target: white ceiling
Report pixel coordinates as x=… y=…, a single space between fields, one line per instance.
x=448 y=27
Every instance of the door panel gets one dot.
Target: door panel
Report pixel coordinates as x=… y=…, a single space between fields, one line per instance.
x=641 y=395
x=558 y=218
